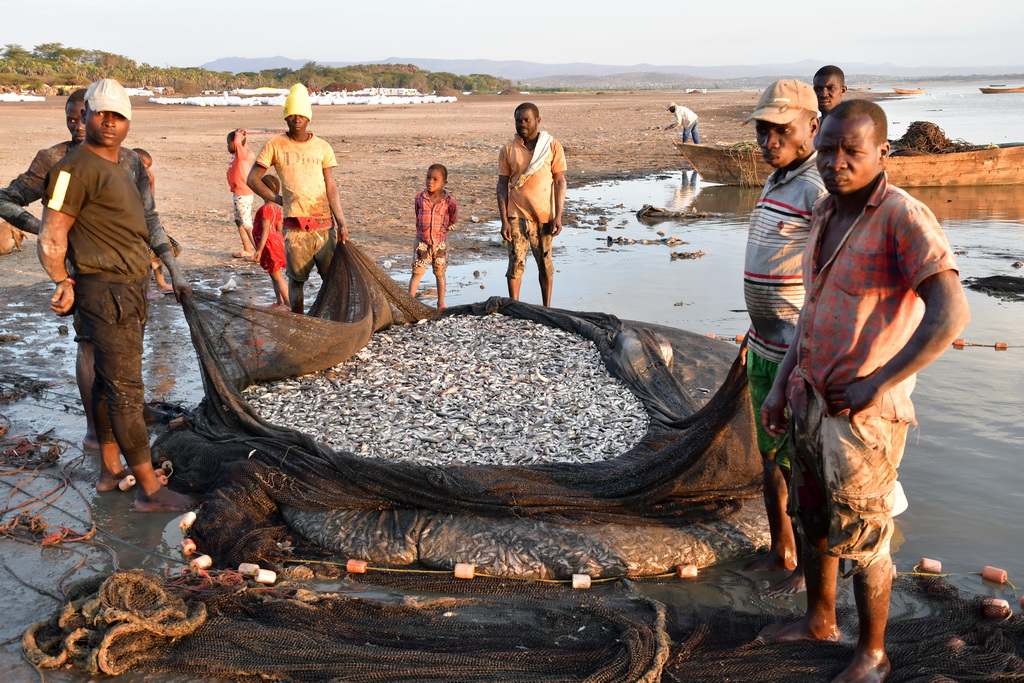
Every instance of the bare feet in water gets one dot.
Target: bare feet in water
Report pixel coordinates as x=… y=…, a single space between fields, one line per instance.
x=865 y=668
x=108 y=481
x=789 y=586
x=163 y=500
x=798 y=630
x=771 y=561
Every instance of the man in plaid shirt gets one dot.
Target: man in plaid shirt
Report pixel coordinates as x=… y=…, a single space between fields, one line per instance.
x=883 y=301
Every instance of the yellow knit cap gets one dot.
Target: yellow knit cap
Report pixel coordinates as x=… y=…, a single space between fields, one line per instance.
x=297 y=102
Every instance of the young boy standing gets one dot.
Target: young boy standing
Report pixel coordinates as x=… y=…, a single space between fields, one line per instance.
x=266 y=233
x=436 y=212
x=242 y=160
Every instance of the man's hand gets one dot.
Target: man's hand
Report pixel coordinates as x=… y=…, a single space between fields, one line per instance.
x=63 y=298
x=773 y=413
x=854 y=397
x=556 y=226
x=343 y=231
x=743 y=348
x=506 y=231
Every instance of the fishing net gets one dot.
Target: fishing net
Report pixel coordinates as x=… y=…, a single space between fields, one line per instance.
x=924 y=137
x=692 y=482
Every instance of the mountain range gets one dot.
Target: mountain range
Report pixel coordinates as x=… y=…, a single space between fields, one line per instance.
x=537 y=74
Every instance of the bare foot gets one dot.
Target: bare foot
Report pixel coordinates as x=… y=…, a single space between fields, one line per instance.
x=108 y=481
x=789 y=586
x=798 y=630
x=865 y=668
x=771 y=562
x=163 y=500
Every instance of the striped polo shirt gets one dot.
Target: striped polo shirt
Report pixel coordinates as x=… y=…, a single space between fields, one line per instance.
x=772 y=277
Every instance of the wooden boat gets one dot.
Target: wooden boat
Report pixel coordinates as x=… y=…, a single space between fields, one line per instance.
x=998 y=89
x=992 y=166
x=908 y=91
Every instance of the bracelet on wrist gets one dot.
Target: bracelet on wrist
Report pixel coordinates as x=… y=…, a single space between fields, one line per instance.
x=68 y=279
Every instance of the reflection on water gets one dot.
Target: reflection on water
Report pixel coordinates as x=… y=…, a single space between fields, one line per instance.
x=997 y=202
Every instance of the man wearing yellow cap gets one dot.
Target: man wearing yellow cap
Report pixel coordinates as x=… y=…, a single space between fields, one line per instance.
x=310 y=197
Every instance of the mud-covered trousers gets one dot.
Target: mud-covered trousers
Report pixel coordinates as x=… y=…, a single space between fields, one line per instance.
x=110 y=312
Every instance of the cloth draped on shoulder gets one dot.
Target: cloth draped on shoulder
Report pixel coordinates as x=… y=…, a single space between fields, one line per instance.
x=541 y=152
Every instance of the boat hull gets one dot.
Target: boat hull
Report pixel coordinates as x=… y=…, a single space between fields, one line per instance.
x=746 y=168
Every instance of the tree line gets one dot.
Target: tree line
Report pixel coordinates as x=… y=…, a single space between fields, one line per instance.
x=52 y=64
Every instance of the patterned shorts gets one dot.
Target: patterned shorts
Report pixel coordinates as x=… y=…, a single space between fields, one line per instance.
x=529 y=236
x=433 y=255
x=243 y=209
x=844 y=477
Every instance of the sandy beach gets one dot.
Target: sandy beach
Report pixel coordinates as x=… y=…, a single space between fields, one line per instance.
x=383 y=152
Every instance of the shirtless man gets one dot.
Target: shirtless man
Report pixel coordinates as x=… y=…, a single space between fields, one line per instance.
x=884 y=300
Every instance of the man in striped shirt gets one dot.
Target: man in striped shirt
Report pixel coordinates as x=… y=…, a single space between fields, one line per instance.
x=786 y=121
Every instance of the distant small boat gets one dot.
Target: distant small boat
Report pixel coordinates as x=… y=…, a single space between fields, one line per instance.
x=859 y=89
x=908 y=91
x=999 y=89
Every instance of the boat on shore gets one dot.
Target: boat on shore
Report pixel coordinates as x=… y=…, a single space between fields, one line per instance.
x=987 y=166
x=908 y=91
x=992 y=90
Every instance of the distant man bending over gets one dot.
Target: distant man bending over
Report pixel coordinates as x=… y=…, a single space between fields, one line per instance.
x=686 y=119
x=884 y=300
x=95 y=218
x=531 y=194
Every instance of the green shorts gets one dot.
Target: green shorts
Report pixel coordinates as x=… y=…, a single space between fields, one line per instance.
x=761 y=376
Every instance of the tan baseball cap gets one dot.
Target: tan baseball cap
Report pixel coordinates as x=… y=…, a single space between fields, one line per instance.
x=783 y=101
x=109 y=95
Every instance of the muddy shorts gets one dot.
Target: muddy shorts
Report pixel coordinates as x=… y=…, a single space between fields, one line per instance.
x=844 y=476
x=111 y=313
x=243 y=209
x=529 y=236
x=306 y=248
x=433 y=255
x=760 y=377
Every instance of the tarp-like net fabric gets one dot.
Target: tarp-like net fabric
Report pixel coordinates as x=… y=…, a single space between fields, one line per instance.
x=492 y=630
x=138 y=622
x=696 y=463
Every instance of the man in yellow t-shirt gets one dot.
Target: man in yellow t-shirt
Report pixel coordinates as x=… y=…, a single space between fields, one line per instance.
x=531 y=193
x=309 y=195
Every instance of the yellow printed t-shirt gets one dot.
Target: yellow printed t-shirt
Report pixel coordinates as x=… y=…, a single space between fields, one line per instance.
x=533 y=200
x=300 y=167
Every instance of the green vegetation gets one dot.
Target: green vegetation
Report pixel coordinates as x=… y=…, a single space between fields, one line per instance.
x=55 y=65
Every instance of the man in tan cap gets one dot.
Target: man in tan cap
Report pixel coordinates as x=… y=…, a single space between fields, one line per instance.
x=304 y=165
x=785 y=122
x=95 y=219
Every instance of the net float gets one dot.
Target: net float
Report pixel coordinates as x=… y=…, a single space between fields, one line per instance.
x=581 y=580
x=959 y=343
x=265 y=576
x=994 y=574
x=201 y=562
x=686 y=571
x=126 y=483
x=248 y=569
x=930 y=566
x=187 y=520
x=464 y=570
x=995 y=608
x=356 y=566
x=188 y=546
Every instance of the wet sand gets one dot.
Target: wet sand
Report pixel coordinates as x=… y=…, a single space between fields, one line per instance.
x=383 y=152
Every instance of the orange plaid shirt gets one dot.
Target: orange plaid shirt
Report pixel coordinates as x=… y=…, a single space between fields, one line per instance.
x=862 y=307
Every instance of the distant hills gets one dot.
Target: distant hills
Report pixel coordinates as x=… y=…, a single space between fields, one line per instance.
x=585 y=75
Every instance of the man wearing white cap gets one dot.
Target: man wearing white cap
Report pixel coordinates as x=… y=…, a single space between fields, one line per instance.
x=785 y=122
x=95 y=219
x=685 y=119
x=304 y=165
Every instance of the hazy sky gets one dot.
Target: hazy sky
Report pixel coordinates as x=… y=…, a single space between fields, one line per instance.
x=722 y=32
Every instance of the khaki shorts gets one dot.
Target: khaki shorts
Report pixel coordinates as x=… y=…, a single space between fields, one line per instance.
x=304 y=249
x=529 y=236
x=243 y=209
x=844 y=476
x=433 y=255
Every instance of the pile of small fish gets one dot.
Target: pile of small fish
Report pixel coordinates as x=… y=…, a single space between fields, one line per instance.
x=464 y=390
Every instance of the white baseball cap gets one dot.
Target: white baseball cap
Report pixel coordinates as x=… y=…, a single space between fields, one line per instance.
x=109 y=95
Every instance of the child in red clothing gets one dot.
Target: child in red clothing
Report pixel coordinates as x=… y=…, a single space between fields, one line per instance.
x=436 y=213
x=266 y=235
